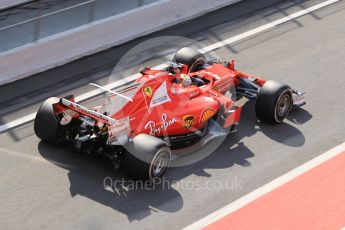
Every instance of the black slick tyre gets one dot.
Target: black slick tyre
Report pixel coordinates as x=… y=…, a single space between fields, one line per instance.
x=190 y=57
x=273 y=102
x=46 y=124
x=147 y=158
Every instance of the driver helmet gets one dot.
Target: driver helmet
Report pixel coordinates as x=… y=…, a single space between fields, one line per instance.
x=186 y=81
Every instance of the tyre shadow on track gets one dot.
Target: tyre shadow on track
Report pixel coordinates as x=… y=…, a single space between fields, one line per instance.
x=284 y=133
x=299 y=116
x=94 y=178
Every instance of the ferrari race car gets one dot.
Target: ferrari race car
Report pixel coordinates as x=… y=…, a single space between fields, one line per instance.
x=164 y=109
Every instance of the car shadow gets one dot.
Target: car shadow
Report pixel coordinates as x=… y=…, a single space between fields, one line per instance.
x=93 y=177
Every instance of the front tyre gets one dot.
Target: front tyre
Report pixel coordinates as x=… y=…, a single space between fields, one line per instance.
x=273 y=102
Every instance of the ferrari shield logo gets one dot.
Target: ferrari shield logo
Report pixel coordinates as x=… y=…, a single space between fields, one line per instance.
x=148 y=91
x=188 y=121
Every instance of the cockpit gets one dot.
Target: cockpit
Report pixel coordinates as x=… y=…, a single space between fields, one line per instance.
x=187 y=80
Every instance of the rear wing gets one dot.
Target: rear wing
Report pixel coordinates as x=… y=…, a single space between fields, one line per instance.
x=87 y=112
x=69 y=103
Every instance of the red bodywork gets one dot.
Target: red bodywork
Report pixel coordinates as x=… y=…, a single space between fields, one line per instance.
x=178 y=110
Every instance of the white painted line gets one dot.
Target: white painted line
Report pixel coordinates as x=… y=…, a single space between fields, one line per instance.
x=80 y=98
x=265 y=189
x=268 y=26
x=25 y=156
x=209 y=48
x=17 y=122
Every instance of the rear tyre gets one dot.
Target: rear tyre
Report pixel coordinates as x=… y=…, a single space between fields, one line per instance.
x=148 y=158
x=273 y=102
x=46 y=124
x=190 y=57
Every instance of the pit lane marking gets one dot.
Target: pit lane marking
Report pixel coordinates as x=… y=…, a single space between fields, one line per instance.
x=267 y=188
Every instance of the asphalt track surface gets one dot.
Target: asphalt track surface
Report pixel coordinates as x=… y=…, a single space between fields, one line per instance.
x=55 y=188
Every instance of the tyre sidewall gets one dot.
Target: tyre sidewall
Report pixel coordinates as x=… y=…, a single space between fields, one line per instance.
x=141 y=154
x=278 y=118
x=46 y=124
x=267 y=101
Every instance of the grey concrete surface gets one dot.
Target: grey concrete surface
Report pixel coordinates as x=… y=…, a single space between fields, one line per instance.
x=55 y=188
x=69 y=16
x=45 y=53
x=4 y=4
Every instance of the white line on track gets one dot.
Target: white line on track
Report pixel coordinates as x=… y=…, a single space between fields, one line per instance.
x=249 y=33
x=22 y=155
x=265 y=189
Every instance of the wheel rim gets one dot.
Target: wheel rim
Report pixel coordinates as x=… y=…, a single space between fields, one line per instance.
x=160 y=164
x=283 y=106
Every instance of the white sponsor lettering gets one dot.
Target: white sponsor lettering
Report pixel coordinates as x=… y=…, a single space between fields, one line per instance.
x=86 y=111
x=166 y=123
x=121 y=128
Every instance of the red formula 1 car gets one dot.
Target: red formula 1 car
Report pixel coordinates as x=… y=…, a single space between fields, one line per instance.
x=164 y=109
